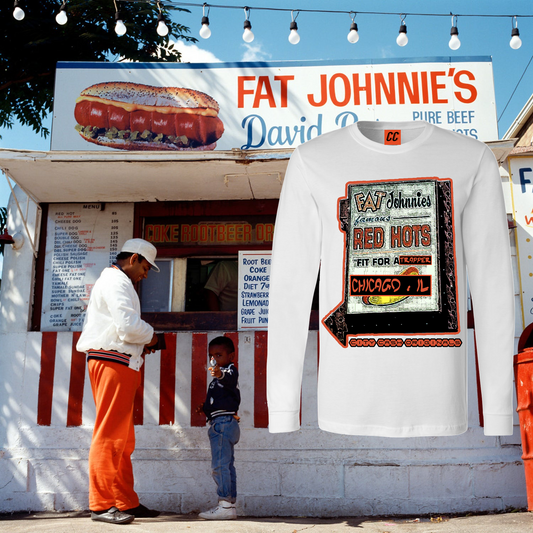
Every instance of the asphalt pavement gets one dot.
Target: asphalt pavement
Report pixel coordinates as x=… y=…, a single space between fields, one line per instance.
x=75 y=522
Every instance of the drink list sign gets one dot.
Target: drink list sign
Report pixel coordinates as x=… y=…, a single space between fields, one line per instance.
x=82 y=239
x=254 y=290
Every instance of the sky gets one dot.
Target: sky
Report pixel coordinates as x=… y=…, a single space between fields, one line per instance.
x=324 y=37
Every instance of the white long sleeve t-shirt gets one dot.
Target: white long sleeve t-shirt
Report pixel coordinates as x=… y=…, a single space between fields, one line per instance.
x=393 y=215
x=113 y=320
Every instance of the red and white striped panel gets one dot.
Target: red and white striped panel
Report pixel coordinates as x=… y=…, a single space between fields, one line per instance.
x=174 y=381
x=57 y=390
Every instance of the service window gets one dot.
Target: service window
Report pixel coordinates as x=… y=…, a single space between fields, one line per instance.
x=198 y=245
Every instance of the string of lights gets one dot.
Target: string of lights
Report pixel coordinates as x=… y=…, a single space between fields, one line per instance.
x=294 y=38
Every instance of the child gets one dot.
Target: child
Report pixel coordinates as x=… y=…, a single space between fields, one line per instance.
x=220 y=407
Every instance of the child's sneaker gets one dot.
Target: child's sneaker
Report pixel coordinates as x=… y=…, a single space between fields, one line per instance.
x=223 y=511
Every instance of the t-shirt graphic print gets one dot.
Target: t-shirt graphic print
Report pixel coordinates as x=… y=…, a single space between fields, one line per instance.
x=399 y=260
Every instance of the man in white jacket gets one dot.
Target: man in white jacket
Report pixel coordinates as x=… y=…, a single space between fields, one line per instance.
x=115 y=339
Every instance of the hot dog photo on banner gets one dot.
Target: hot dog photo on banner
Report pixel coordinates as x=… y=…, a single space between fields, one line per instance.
x=134 y=116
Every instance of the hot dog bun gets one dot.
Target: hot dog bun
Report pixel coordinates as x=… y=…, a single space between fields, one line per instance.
x=138 y=96
x=132 y=116
x=124 y=144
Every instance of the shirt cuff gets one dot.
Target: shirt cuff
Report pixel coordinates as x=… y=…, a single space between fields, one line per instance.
x=498 y=425
x=283 y=421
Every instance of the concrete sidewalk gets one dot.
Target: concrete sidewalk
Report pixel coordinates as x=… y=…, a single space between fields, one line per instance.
x=519 y=522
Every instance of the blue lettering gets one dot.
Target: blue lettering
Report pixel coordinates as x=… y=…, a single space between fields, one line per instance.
x=523 y=179
x=342 y=119
x=250 y=131
x=317 y=127
x=257 y=132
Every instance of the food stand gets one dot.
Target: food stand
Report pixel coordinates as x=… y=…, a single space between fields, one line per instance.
x=76 y=205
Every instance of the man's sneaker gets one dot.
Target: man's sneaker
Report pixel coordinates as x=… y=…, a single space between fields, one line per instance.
x=223 y=511
x=112 y=516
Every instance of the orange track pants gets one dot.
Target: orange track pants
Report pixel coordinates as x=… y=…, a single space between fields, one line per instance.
x=110 y=470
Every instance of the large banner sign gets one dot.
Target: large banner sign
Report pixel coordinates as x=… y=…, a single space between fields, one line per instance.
x=223 y=106
x=522 y=189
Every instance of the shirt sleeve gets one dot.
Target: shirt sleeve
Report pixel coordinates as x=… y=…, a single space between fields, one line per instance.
x=230 y=376
x=488 y=259
x=130 y=328
x=295 y=264
x=218 y=279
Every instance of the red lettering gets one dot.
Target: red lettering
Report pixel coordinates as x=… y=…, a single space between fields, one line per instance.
x=395 y=236
x=149 y=232
x=323 y=93
x=426 y=235
x=247 y=233
x=283 y=89
x=368 y=238
x=436 y=86
x=425 y=85
x=358 y=239
x=221 y=233
x=388 y=91
x=410 y=236
x=412 y=90
x=264 y=83
x=357 y=89
x=269 y=232
x=333 y=90
x=174 y=233
x=241 y=91
x=379 y=237
x=230 y=231
x=185 y=233
x=467 y=86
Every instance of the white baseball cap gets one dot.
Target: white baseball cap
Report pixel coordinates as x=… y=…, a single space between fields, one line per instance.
x=142 y=247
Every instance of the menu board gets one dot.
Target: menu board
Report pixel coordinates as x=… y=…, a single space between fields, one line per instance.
x=82 y=240
x=254 y=290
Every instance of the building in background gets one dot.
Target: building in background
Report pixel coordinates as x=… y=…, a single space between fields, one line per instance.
x=74 y=207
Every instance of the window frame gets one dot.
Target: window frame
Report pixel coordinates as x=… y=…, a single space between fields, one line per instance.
x=200 y=320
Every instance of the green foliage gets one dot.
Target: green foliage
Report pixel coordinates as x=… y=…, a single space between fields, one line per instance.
x=31 y=47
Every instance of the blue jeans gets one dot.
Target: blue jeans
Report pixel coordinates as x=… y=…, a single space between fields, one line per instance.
x=224 y=433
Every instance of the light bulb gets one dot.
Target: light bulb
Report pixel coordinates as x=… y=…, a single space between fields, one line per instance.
x=294 y=38
x=248 y=35
x=18 y=12
x=353 y=36
x=61 y=17
x=205 y=32
x=162 y=28
x=120 y=27
x=454 y=43
x=402 y=39
x=516 y=42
